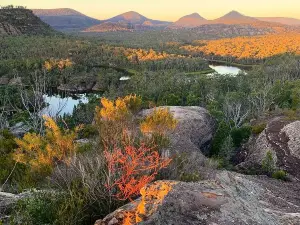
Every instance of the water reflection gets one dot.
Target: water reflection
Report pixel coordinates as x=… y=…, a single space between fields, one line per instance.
x=226 y=70
x=59 y=105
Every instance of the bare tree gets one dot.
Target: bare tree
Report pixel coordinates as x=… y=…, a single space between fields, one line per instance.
x=262 y=99
x=236 y=109
x=33 y=101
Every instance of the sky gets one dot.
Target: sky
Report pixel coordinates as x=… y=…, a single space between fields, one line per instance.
x=169 y=10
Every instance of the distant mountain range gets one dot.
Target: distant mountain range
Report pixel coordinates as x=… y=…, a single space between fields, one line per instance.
x=69 y=19
x=65 y=19
x=282 y=20
x=127 y=21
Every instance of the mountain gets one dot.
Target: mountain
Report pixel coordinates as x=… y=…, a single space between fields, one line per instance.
x=282 y=20
x=128 y=21
x=235 y=17
x=65 y=19
x=135 y=18
x=18 y=21
x=189 y=21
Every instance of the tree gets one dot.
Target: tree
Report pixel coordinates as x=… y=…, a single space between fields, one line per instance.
x=236 y=109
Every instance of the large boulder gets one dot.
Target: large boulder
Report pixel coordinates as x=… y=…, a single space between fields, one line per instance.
x=191 y=138
x=194 y=131
x=228 y=199
x=282 y=139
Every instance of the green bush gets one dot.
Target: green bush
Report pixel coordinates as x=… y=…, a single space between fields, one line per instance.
x=280 y=175
x=88 y=131
x=85 y=147
x=219 y=138
x=40 y=208
x=268 y=164
x=240 y=135
x=190 y=177
x=257 y=129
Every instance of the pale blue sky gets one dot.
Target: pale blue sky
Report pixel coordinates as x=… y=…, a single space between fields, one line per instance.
x=169 y=9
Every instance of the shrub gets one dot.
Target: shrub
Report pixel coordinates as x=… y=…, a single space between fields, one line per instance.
x=257 y=129
x=227 y=151
x=268 y=164
x=40 y=153
x=240 y=135
x=218 y=140
x=280 y=175
x=190 y=177
x=88 y=131
x=160 y=121
x=39 y=208
x=131 y=168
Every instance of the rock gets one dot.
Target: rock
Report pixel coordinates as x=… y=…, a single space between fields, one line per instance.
x=19 y=129
x=80 y=87
x=7 y=200
x=194 y=131
x=228 y=199
x=99 y=87
x=4 y=80
x=16 y=81
x=192 y=136
x=282 y=139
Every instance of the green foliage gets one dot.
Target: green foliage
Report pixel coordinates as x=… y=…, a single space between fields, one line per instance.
x=39 y=208
x=257 y=129
x=86 y=147
x=268 y=163
x=280 y=175
x=240 y=135
x=226 y=151
x=222 y=133
x=20 y=177
x=88 y=131
x=190 y=177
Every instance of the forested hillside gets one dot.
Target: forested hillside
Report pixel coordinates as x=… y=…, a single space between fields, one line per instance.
x=16 y=21
x=65 y=19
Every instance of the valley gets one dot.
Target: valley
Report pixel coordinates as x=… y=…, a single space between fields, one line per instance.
x=135 y=120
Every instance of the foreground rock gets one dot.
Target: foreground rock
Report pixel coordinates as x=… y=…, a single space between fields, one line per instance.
x=190 y=142
x=194 y=131
x=282 y=139
x=229 y=199
x=7 y=201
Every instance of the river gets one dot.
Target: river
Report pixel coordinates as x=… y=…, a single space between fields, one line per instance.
x=58 y=104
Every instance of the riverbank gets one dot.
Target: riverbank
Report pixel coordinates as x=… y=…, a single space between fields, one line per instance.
x=225 y=63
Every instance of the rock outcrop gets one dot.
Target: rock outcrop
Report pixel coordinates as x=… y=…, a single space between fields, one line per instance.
x=80 y=87
x=282 y=139
x=228 y=199
x=7 y=200
x=194 y=132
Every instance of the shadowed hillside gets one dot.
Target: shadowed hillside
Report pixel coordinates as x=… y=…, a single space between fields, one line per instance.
x=65 y=19
x=17 y=21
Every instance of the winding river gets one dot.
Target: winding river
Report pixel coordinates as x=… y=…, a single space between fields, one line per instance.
x=60 y=105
